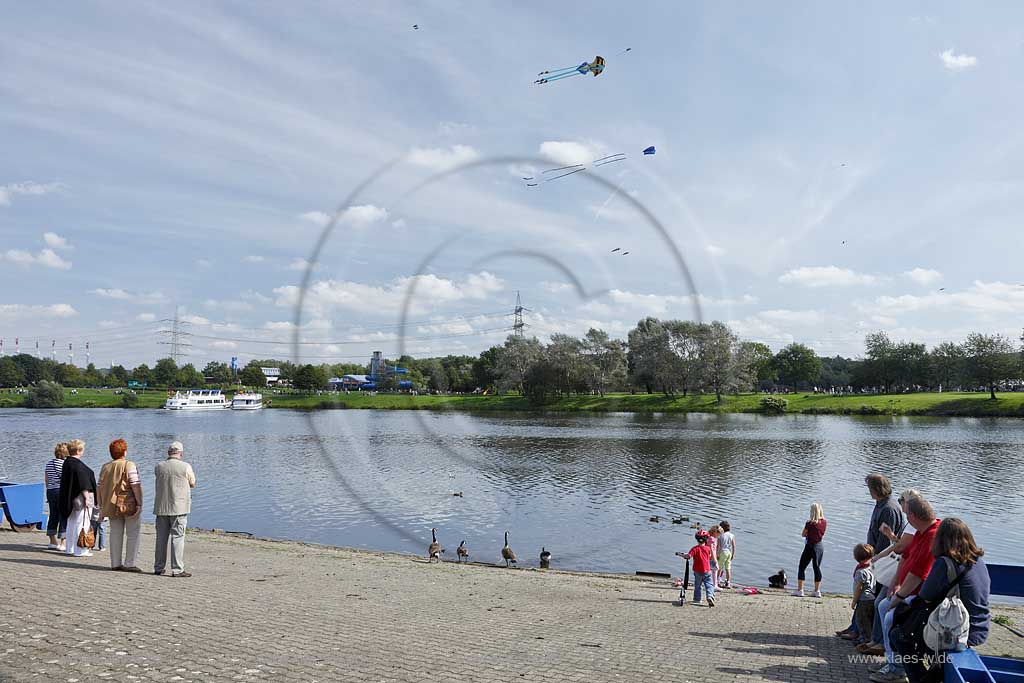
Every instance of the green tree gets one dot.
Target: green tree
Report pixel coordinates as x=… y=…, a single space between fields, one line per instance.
x=45 y=395
x=835 y=372
x=130 y=399
x=252 y=376
x=796 y=364
x=91 y=377
x=880 y=363
x=188 y=376
x=991 y=360
x=649 y=358
x=485 y=368
x=67 y=375
x=517 y=356
x=11 y=374
x=683 y=368
x=142 y=374
x=605 y=363
x=946 y=362
x=310 y=378
x=165 y=372
x=118 y=376
x=760 y=358
x=219 y=373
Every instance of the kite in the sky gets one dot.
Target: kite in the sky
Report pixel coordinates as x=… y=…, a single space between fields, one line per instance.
x=595 y=67
x=650 y=150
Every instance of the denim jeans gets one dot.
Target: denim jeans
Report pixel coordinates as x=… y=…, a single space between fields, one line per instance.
x=876 y=626
x=886 y=627
x=100 y=529
x=703 y=579
x=55 y=526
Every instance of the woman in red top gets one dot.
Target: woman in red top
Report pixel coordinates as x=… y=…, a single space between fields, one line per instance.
x=814 y=531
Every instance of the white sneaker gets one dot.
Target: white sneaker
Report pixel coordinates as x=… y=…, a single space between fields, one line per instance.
x=798 y=593
x=817 y=594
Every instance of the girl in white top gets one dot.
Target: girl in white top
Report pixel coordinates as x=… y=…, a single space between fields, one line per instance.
x=726 y=552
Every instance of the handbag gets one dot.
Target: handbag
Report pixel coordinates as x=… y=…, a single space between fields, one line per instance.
x=949 y=624
x=886 y=570
x=124 y=498
x=86 y=539
x=909 y=622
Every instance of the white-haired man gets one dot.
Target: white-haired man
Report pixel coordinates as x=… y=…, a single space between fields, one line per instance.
x=171 y=505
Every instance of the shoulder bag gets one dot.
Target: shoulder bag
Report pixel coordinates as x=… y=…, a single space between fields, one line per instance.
x=886 y=570
x=910 y=619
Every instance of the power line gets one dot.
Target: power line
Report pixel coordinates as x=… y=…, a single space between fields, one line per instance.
x=177 y=337
x=517 y=317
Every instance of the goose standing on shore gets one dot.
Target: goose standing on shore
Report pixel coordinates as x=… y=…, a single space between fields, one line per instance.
x=462 y=551
x=434 y=550
x=545 y=558
x=507 y=554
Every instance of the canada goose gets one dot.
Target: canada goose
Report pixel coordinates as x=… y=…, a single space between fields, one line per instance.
x=507 y=554
x=545 y=558
x=434 y=550
x=458 y=494
x=695 y=525
x=462 y=551
x=678 y=520
x=654 y=518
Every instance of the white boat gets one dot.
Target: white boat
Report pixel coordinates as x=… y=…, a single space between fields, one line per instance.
x=247 y=400
x=197 y=399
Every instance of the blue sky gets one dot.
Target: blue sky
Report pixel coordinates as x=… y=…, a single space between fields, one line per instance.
x=824 y=172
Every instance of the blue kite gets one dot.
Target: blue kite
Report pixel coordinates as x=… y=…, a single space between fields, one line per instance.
x=649 y=150
x=595 y=67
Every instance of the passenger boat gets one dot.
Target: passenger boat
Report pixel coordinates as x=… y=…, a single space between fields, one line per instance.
x=197 y=399
x=247 y=400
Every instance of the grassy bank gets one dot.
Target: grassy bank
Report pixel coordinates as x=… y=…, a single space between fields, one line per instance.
x=944 y=404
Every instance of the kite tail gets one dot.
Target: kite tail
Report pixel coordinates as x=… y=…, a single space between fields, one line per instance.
x=558 y=71
x=557 y=77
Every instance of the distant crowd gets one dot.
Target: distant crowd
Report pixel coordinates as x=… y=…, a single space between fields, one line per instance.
x=80 y=510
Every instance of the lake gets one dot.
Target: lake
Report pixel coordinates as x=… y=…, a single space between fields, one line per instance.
x=584 y=486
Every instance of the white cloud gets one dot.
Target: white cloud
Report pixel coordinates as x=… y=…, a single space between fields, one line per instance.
x=398 y=224
x=22 y=311
x=229 y=305
x=7 y=192
x=556 y=287
x=714 y=250
x=195 y=320
x=145 y=317
x=430 y=291
x=442 y=159
x=566 y=152
x=224 y=345
x=204 y=263
x=782 y=315
x=954 y=62
x=55 y=241
x=253 y=259
x=298 y=263
x=131 y=297
x=47 y=258
x=924 y=276
x=826 y=276
x=317 y=217
x=359 y=216
x=983 y=298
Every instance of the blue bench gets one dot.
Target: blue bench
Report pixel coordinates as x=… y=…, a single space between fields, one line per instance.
x=22 y=504
x=968 y=666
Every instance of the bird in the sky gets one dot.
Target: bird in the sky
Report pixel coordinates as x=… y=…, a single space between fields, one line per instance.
x=415 y=27
x=616 y=249
x=625 y=253
x=942 y=289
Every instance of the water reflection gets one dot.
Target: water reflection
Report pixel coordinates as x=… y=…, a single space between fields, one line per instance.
x=584 y=486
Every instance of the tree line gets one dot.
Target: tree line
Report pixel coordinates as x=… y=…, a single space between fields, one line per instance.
x=673 y=357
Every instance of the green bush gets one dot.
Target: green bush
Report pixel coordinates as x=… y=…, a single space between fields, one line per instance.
x=130 y=400
x=45 y=395
x=870 y=410
x=773 y=405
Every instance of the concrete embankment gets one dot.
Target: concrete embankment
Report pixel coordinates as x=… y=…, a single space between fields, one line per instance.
x=260 y=610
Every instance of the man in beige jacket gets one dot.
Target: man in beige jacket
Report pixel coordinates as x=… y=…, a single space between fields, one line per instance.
x=171 y=505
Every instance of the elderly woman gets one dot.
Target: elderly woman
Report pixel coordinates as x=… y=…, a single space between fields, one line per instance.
x=55 y=526
x=77 y=497
x=120 y=501
x=956 y=553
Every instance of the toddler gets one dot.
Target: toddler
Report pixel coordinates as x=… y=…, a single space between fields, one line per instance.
x=701 y=556
x=863 y=591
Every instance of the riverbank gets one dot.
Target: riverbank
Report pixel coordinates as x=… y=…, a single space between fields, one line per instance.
x=947 y=404
x=260 y=610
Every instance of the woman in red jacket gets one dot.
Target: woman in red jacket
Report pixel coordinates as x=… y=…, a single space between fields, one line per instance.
x=814 y=531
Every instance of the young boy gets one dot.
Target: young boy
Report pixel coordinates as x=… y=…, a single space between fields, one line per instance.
x=726 y=551
x=701 y=556
x=863 y=591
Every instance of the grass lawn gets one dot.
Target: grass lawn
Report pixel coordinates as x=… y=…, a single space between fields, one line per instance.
x=948 y=404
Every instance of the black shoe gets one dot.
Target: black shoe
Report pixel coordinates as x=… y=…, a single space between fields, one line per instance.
x=181 y=575
x=158 y=573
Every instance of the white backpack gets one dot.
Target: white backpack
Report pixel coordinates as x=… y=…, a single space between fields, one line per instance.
x=950 y=623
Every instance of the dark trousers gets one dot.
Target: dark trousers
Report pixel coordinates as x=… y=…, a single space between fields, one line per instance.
x=55 y=526
x=812 y=555
x=864 y=617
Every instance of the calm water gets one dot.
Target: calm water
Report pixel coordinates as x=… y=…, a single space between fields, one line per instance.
x=584 y=486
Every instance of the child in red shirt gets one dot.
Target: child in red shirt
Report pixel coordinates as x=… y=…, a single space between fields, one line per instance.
x=701 y=556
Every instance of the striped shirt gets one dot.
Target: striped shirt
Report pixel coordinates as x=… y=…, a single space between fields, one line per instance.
x=53 y=470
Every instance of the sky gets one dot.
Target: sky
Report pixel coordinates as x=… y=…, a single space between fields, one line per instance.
x=821 y=172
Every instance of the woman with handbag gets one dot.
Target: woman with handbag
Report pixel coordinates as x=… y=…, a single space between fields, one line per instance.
x=76 y=500
x=121 y=501
x=960 y=573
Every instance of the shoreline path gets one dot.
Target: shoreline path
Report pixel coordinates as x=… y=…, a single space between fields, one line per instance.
x=260 y=610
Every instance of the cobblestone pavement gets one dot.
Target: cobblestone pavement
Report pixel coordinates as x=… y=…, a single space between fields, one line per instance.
x=275 y=611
